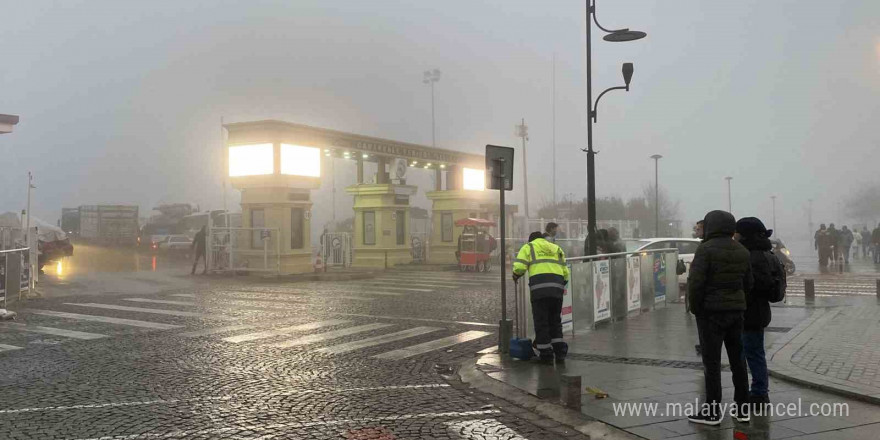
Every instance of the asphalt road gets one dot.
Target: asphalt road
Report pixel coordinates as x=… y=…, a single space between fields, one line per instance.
x=228 y=358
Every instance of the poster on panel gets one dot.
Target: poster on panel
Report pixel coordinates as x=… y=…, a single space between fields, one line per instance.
x=601 y=291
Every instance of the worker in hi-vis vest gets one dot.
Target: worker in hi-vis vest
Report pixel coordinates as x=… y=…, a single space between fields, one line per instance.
x=548 y=274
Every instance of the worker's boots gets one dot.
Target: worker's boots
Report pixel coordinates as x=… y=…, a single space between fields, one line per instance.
x=543 y=355
x=560 y=350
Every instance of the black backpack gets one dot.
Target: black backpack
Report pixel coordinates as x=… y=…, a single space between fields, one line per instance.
x=777 y=273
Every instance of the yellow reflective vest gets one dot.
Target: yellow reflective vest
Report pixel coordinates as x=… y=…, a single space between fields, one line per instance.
x=545 y=262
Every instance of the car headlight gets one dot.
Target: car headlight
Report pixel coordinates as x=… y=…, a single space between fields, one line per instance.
x=786 y=252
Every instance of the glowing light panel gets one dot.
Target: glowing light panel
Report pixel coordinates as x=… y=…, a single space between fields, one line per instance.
x=474 y=180
x=251 y=160
x=297 y=160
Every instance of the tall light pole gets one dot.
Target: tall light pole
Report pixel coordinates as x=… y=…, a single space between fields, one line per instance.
x=773 y=198
x=618 y=35
x=431 y=77
x=522 y=131
x=656 y=158
x=729 y=204
x=553 y=100
x=810 y=217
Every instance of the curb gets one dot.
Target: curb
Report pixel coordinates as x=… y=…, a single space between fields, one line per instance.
x=783 y=368
x=473 y=376
x=424 y=268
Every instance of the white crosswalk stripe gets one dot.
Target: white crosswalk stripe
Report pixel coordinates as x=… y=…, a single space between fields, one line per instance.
x=284 y=331
x=415 y=350
x=160 y=301
x=52 y=331
x=184 y=295
x=145 y=310
x=378 y=340
x=217 y=330
x=4 y=347
x=106 y=319
x=310 y=339
x=394 y=287
x=477 y=429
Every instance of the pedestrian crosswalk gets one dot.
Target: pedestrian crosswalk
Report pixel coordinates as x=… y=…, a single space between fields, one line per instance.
x=336 y=331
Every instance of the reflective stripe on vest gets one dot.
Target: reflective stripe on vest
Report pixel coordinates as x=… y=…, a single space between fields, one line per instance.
x=546 y=285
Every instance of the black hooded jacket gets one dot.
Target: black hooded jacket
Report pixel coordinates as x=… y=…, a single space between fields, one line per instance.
x=720 y=275
x=757 y=314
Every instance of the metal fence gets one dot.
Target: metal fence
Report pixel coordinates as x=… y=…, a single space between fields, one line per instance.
x=336 y=249
x=607 y=287
x=419 y=246
x=577 y=228
x=243 y=249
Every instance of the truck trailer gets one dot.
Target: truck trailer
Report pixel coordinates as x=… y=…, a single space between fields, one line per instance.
x=109 y=224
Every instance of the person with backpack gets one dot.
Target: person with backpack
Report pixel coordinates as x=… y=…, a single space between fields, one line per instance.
x=768 y=286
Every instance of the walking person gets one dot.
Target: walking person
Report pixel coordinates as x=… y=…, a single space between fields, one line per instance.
x=200 y=244
x=844 y=242
x=550 y=231
x=866 y=241
x=548 y=274
x=822 y=243
x=833 y=240
x=857 y=242
x=755 y=237
x=875 y=244
x=719 y=279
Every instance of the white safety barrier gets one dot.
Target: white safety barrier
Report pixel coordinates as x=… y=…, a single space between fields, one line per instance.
x=336 y=249
x=243 y=249
x=607 y=287
x=15 y=276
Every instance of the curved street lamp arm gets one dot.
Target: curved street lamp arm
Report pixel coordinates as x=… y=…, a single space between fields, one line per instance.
x=596 y=20
x=595 y=110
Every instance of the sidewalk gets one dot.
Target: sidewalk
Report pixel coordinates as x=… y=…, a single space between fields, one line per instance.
x=650 y=359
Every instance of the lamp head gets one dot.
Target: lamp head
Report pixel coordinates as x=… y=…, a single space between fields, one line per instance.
x=624 y=35
x=627 y=73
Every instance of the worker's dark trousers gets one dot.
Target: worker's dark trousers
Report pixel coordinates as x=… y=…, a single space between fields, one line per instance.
x=546 y=313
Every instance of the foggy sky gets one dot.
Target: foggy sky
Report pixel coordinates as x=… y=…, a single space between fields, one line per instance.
x=121 y=101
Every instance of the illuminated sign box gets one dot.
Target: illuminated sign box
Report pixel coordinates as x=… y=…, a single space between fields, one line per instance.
x=473 y=179
x=274 y=165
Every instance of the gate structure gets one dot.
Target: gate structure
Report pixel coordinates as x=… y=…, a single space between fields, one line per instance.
x=243 y=249
x=419 y=243
x=336 y=249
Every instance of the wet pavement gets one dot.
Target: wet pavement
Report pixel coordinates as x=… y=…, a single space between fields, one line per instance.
x=649 y=359
x=108 y=355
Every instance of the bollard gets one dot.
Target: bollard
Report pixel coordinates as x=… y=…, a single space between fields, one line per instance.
x=809 y=290
x=570 y=391
x=878 y=288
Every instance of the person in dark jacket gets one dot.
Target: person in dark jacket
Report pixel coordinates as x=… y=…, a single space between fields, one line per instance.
x=822 y=243
x=199 y=243
x=875 y=243
x=833 y=239
x=719 y=279
x=844 y=242
x=752 y=234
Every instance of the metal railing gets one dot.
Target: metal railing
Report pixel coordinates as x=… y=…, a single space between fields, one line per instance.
x=607 y=287
x=15 y=276
x=232 y=250
x=336 y=249
x=577 y=228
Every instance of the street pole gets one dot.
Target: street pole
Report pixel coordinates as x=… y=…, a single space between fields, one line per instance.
x=523 y=132
x=729 y=203
x=810 y=218
x=656 y=158
x=613 y=35
x=773 y=198
x=555 y=201
x=433 y=124
x=27 y=226
x=591 y=163
x=504 y=327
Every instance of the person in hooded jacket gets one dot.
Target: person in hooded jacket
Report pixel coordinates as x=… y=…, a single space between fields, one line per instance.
x=719 y=279
x=752 y=234
x=548 y=275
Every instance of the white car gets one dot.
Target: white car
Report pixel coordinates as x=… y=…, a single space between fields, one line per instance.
x=175 y=243
x=687 y=247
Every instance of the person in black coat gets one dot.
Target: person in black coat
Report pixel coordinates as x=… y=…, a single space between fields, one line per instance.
x=752 y=234
x=718 y=282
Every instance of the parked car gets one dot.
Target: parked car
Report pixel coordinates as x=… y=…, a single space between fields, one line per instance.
x=175 y=243
x=687 y=247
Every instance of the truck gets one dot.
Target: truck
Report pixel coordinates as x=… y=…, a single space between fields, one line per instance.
x=70 y=221
x=109 y=224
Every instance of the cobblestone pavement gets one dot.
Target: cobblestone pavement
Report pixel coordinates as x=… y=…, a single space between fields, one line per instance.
x=650 y=360
x=371 y=359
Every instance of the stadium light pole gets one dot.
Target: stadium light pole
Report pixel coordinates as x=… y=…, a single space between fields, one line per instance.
x=729 y=203
x=618 y=35
x=431 y=77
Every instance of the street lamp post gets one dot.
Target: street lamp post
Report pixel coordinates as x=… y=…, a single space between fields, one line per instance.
x=729 y=204
x=522 y=131
x=431 y=77
x=656 y=158
x=773 y=198
x=618 y=35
